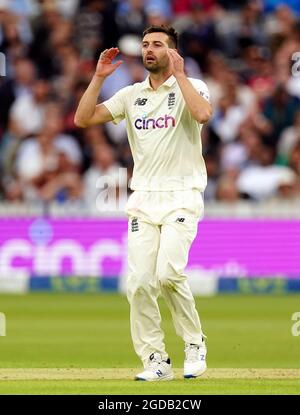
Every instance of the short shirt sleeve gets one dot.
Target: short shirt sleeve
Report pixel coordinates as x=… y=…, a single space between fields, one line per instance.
x=116 y=105
x=201 y=87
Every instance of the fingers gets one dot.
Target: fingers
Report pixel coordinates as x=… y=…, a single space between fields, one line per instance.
x=176 y=62
x=171 y=56
x=109 y=54
x=172 y=53
x=117 y=64
x=112 y=52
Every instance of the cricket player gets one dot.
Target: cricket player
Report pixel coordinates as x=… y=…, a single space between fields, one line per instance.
x=164 y=116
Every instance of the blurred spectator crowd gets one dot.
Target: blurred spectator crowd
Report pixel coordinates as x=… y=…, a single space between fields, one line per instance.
x=242 y=49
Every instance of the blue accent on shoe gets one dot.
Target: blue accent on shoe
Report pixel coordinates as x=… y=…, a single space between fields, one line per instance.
x=189 y=376
x=140 y=379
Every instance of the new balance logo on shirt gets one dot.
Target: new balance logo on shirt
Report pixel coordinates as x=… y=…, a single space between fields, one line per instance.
x=140 y=101
x=163 y=137
x=181 y=220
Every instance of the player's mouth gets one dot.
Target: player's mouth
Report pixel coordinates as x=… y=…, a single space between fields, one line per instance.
x=150 y=59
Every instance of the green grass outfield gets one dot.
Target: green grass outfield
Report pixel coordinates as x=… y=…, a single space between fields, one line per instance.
x=80 y=344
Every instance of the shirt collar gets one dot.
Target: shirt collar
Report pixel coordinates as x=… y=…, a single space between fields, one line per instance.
x=168 y=83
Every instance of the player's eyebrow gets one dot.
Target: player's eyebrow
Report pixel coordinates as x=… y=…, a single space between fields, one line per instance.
x=146 y=42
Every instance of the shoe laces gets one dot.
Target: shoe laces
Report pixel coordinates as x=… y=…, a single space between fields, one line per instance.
x=155 y=360
x=191 y=352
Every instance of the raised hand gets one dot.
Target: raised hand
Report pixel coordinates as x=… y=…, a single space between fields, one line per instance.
x=176 y=62
x=105 y=67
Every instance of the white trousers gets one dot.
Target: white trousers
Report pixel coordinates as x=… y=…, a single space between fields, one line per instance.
x=161 y=229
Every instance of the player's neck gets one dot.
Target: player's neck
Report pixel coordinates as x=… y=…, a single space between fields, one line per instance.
x=157 y=79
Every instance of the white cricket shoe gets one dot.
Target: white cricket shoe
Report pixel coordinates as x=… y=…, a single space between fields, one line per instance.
x=194 y=363
x=157 y=369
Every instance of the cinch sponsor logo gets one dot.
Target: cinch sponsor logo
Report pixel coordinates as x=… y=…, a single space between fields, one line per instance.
x=160 y=122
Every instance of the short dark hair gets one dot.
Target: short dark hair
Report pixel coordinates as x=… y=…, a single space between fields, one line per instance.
x=168 y=30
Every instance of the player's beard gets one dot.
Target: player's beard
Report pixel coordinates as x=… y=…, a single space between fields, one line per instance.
x=154 y=66
x=151 y=66
x=152 y=69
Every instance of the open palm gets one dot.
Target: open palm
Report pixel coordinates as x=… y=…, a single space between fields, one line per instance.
x=105 y=67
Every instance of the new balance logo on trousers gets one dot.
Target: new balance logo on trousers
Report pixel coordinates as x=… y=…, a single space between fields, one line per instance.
x=159 y=238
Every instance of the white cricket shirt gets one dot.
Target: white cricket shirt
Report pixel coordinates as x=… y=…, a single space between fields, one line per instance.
x=163 y=136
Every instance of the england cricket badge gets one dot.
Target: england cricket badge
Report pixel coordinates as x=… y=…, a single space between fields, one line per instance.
x=171 y=100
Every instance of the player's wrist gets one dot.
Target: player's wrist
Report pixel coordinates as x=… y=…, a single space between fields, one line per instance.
x=100 y=77
x=180 y=75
